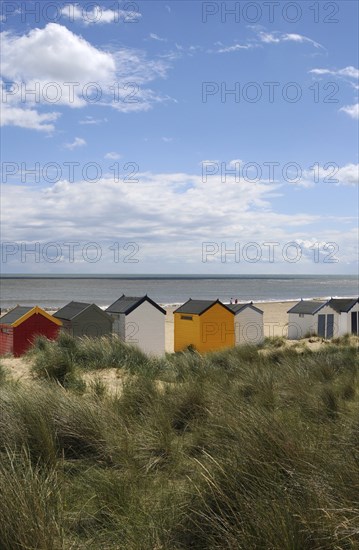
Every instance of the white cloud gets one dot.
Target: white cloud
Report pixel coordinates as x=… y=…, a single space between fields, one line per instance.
x=78 y=142
x=351 y=110
x=167 y=139
x=133 y=65
x=112 y=156
x=350 y=72
x=169 y=215
x=99 y=15
x=262 y=37
x=54 y=54
x=91 y=120
x=331 y=174
x=347 y=73
x=159 y=207
x=349 y=174
x=328 y=174
x=269 y=38
x=65 y=69
x=277 y=37
x=155 y=36
x=27 y=118
x=291 y=37
x=164 y=203
x=235 y=48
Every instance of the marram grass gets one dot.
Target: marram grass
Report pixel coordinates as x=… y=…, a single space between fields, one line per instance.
x=250 y=448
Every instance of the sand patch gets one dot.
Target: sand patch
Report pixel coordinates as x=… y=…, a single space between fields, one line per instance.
x=19 y=368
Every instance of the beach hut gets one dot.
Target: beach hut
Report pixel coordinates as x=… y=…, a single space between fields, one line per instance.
x=302 y=319
x=327 y=320
x=139 y=321
x=346 y=315
x=330 y=319
x=248 y=324
x=81 y=319
x=205 y=325
x=20 y=326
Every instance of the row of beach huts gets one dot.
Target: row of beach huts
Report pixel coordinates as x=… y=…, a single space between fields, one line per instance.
x=205 y=325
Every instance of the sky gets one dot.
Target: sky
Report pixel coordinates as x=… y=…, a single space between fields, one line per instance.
x=179 y=137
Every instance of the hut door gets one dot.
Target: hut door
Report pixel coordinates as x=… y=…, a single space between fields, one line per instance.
x=355 y=322
x=321 y=326
x=330 y=325
x=326 y=326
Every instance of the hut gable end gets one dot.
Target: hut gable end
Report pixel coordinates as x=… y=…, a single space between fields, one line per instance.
x=82 y=319
x=20 y=327
x=127 y=304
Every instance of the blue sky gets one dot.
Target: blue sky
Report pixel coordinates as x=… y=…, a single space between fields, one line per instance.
x=183 y=129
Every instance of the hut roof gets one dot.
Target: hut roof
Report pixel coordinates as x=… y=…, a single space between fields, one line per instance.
x=237 y=308
x=15 y=314
x=307 y=307
x=197 y=307
x=20 y=313
x=71 y=310
x=126 y=304
x=342 y=304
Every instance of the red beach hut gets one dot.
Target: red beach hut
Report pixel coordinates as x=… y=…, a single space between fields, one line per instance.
x=19 y=328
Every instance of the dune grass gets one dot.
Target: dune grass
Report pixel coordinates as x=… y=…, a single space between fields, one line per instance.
x=238 y=449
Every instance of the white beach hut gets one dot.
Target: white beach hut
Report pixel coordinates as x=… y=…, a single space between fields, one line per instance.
x=139 y=321
x=303 y=319
x=330 y=319
x=248 y=324
x=347 y=310
x=327 y=321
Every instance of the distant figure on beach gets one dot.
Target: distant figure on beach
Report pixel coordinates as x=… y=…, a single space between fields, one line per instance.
x=236 y=301
x=231 y=301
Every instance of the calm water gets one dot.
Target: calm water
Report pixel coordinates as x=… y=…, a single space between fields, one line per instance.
x=54 y=292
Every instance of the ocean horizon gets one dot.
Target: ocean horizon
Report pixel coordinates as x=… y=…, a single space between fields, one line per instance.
x=54 y=291
x=172 y=276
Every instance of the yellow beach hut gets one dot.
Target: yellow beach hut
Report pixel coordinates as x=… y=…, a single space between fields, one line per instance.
x=205 y=325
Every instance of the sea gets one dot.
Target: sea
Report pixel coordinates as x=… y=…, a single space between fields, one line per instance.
x=53 y=292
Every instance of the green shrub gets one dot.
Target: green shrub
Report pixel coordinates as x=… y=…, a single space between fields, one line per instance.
x=54 y=364
x=41 y=344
